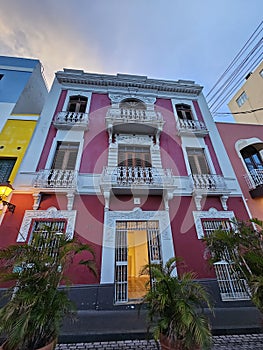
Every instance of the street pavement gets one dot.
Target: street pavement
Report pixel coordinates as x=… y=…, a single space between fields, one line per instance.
x=223 y=342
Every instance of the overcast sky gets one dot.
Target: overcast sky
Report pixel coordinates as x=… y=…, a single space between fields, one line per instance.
x=165 y=39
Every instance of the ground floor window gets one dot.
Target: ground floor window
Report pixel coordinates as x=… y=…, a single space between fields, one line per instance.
x=50 y=232
x=137 y=243
x=232 y=285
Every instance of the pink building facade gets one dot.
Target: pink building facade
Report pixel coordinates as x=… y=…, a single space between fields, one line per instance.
x=244 y=146
x=136 y=168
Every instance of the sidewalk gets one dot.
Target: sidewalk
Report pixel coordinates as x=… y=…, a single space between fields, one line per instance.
x=224 y=342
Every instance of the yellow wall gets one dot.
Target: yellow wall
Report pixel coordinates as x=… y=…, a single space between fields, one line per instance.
x=15 y=134
x=253 y=87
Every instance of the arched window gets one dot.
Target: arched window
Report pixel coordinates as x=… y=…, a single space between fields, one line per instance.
x=184 y=111
x=77 y=104
x=252 y=157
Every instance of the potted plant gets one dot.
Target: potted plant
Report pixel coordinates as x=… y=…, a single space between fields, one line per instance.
x=175 y=308
x=32 y=317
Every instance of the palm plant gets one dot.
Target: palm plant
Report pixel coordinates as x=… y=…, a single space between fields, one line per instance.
x=175 y=305
x=242 y=248
x=33 y=315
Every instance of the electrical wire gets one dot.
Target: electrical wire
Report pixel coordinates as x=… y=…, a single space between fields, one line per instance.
x=244 y=62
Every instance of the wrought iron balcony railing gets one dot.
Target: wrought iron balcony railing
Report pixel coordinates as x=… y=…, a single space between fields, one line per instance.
x=68 y=120
x=191 y=126
x=55 y=178
x=209 y=182
x=254 y=178
x=141 y=177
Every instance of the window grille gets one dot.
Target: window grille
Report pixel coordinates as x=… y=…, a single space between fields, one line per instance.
x=6 y=167
x=48 y=240
x=232 y=285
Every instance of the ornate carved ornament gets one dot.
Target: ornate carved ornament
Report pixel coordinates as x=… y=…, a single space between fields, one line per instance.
x=139 y=215
x=134 y=139
x=117 y=98
x=212 y=213
x=51 y=213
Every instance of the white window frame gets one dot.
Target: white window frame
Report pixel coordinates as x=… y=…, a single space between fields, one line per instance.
x=189 y=102
x=211 y=214
x=74 y=93
x=51 y=213
x=109 y=236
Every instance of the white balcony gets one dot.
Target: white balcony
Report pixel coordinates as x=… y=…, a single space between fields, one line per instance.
x=127 y=180
x=191 y=127
x=55 y=179
x=254 y=181
x=209 y=185
x=71 y=120
x=122 y=120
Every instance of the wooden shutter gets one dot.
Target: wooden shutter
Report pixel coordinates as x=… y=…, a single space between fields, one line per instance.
x=197 y=161
x=66 y=156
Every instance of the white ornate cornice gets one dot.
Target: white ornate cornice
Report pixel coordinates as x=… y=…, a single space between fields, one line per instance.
x=125 y=82
x=51 y=213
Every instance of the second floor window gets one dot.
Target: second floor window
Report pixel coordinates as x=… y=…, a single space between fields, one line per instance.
x=66 y=156
x=6 y=167
x=134 y=156
x=184 y=111
x=197 y=161
x=77 y=104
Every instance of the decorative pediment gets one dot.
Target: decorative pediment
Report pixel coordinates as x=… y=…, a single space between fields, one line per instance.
x=117 y=98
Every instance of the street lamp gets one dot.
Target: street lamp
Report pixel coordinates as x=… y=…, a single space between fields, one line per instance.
x=5 y=190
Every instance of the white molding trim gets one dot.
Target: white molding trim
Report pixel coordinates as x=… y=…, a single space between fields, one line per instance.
x=84 y=93
x=117 y=98
x=212 y=213
x=108 y=246
x=50 y=213
x=242 y=143
x=189 y=101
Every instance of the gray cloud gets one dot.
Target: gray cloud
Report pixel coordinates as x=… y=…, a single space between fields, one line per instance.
x=169 y=39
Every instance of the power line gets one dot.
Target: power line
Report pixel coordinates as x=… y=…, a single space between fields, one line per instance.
x=235 y=59
x=244 y=62
x=244 y=112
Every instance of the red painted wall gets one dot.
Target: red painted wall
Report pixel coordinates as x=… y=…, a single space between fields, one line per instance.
x=230 y=134
x=170 y=144
x=95 y=151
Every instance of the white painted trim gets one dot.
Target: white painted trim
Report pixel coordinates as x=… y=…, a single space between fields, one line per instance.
x=66 y=136
x=108 y=247
x=212 y=213
x=198 y=144
x=187 y=101
x=17 y=68
x=50 y=213
x=24 y=117
x=241 y=144
x=72 y=92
